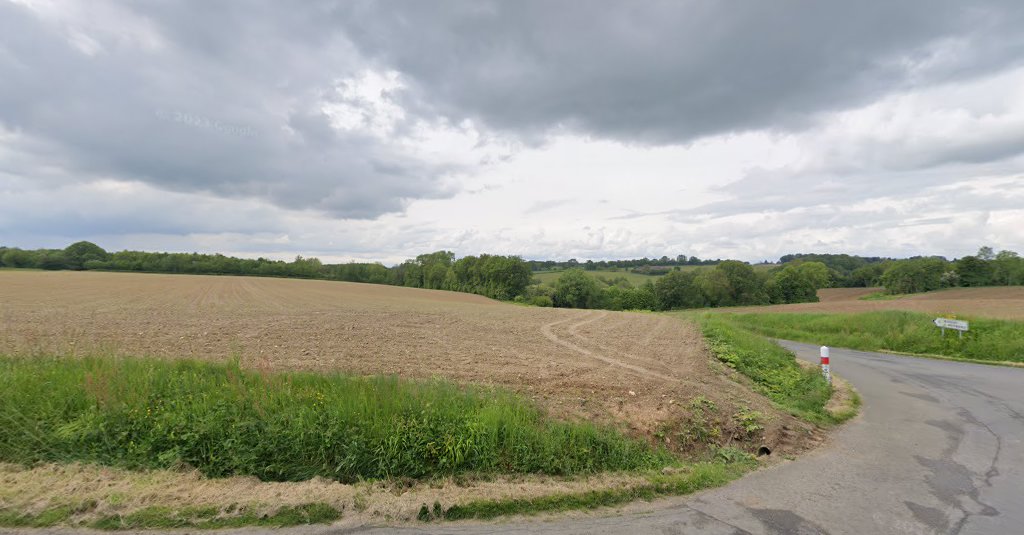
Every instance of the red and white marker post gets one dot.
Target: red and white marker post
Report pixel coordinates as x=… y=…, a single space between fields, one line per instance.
x=826 y=371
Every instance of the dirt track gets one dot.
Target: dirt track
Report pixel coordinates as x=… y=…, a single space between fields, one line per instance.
x=993 y=302
x=638 y=370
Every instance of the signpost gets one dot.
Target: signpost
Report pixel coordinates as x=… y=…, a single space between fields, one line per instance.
x=957 y=325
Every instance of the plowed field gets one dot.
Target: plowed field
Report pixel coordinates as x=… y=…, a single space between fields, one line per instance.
x=638 y=370
x=993 y=302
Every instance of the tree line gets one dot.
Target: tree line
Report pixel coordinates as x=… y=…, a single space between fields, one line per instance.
x=639 y=265
x=495 y=276
x=920 y=273
x=729 y=283
x=726 y=283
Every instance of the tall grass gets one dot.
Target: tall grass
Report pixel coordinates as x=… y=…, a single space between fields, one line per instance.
x=223 y=421
x=909 y=332
x=773 y=370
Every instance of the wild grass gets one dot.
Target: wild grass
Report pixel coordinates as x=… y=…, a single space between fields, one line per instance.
x=224 y=421
x=773 y=370
x=882 y=296
x=988 y=340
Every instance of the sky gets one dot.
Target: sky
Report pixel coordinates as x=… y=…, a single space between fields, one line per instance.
x=549 y=129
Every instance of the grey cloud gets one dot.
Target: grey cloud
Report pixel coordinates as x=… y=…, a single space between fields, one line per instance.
x=667 y=72
x=228 y=104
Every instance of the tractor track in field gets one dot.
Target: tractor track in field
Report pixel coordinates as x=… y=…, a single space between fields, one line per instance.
x=591 y=317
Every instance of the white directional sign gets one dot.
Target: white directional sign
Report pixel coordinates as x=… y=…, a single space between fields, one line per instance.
x=945 y=323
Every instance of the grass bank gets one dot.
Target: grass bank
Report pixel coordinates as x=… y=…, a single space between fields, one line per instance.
x=221 y=420
x=773 y=370
x=988 y=340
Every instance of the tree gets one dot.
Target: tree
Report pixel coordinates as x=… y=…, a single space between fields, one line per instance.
x=867 y=276
x=78 y=253
x=576 y=289
x=745 y=288
x=798 y=282
x=678 y=289
x=52 y=260
x=974 y=271
x=17 y=258
x=1008 y=268
x=914 y=275
x=714 y=286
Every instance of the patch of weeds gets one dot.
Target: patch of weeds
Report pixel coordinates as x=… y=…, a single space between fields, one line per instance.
x=733 y=455
x=749 y=421
x=698 y=429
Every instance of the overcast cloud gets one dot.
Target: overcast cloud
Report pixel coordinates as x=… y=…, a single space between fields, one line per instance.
x=550 y=129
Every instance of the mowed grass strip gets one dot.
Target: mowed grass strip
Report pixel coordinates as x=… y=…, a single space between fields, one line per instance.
x=224 y=421
x=988 y=340
x=170 y=518
x=693 y=478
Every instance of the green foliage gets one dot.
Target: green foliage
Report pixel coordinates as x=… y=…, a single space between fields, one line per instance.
x=678 y=289
x=224 y=421
x=867 y=276
x=17 y=258
x=743 y=285
x=499 y=277
x=625 y=297
x=773 y=370
x=78 y=253
x=749 y=420
x=698 y=429
x=541 y=301
x=1008 y=269
x=576 y=289
x=909 y=332
x=914 y=275
x=798 y=282
x=973 y=271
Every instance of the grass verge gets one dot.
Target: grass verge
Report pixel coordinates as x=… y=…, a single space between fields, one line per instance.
x=773 y=370
x=687 y=480
x=221 y=420
x=169 y=518
x=989 y=341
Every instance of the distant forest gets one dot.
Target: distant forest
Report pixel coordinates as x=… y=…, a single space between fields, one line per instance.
x=796 y=278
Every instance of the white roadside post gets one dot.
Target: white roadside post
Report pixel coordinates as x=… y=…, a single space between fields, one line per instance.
x=826 y=370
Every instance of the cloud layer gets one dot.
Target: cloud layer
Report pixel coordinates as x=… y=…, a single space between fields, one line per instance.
x=381 y=130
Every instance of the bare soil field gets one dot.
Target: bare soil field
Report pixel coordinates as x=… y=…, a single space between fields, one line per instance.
x=637 y=371
x=992 y=302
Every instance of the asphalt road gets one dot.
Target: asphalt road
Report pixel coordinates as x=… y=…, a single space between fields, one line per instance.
x=938 y=448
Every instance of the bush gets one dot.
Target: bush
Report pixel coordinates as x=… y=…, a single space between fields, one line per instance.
x=541 y=301
x=576 y=289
